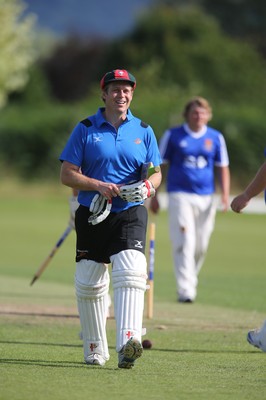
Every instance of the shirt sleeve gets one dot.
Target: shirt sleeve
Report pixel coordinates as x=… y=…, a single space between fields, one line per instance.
x=222 y=159
x=163 y=146
x=153 y=153
x=73 y=150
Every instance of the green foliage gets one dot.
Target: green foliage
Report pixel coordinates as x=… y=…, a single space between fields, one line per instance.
x=70 y=69
x=244 y=131
x=32 y=138
x=244 y=19
x=175 y=53
x=189 y=48
x=16 y=52
x=36 y=92
x=34 y=129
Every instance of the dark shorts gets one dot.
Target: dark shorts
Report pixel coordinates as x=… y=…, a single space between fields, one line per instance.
x=119 y=231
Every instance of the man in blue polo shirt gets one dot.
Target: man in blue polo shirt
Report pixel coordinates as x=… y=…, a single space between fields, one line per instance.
x=103 y=159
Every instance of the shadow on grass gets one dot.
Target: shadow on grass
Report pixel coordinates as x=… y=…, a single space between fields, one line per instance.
x=42 y=363
x=33 y=295
x=31 y=314
x=51 y=364
x=199 y=351
x=40 y=343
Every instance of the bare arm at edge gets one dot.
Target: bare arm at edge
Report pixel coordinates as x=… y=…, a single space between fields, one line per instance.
x=255 y=187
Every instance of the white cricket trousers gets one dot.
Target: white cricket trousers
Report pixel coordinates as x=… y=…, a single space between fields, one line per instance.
x=191 y=222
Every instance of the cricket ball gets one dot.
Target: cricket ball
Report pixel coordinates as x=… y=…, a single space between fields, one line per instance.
x=147 y=344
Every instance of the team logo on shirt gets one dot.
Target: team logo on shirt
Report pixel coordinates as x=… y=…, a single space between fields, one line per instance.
x=139 y=244
x=98 y=139
x=208 y=144
x=137 y=141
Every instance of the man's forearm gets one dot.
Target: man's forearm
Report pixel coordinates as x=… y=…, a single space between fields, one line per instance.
x=258 y=184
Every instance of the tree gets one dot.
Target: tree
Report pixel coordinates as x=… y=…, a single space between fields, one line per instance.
x=73 y=67
x=16 y=47
x=190 y=49
x=244 y=19
x=176 y=53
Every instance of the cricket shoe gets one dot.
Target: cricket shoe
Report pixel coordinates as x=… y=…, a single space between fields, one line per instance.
x=95 y=359
x=185 y=300
x=257 y=337
x=129 y=353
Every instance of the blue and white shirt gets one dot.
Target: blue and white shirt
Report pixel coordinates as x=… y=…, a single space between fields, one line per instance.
x=111 y=155
x=191 y=157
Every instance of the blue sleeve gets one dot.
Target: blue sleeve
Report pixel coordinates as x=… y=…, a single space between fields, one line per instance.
x=153 y=154
x=163 y=146
x=73 y=151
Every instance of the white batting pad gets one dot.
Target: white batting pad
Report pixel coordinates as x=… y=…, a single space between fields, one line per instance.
x=92 y=284
x=129 y=284
x=107 y=304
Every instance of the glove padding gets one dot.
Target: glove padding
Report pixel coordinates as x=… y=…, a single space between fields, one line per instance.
x=73 y=206
x=100 y=207
x=138 y=191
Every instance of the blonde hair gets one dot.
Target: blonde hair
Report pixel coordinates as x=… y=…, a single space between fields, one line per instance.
x=197 y=101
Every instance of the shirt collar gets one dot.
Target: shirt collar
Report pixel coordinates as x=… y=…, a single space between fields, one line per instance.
x=100 y=120
x=195 y=134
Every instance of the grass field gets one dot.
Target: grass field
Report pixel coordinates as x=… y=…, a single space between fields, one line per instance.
x=199 y=350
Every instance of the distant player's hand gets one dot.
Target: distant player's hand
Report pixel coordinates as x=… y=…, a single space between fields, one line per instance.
x=138 y=191
x=100 y=207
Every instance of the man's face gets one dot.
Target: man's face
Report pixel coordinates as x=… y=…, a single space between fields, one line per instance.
x=197 y=117
x=118 y=96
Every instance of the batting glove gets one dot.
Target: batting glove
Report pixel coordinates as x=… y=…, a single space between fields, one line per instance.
x=138 y=191
x=100 y=207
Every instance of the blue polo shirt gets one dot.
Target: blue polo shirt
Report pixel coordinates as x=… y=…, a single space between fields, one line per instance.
x=111 y=155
